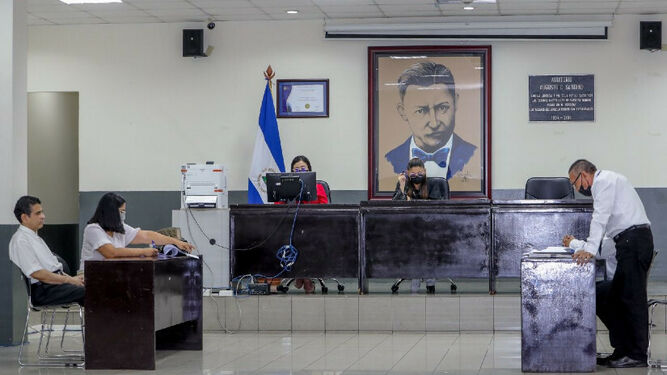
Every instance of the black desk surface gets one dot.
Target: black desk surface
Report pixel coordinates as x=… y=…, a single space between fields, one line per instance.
x=137 y=305
x=326 y=236
x=414 y=239
x=403 y=239
x=519 y=226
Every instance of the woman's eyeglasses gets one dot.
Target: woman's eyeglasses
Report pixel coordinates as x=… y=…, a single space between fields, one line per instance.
x=302 y=169
x=416 y=175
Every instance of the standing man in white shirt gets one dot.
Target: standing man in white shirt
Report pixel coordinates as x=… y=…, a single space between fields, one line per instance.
x=49 y=285
x=621 y=303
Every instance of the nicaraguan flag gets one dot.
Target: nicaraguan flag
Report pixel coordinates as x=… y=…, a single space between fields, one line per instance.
x=267 y=156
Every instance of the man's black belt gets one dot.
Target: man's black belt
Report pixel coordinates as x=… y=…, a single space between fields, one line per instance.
x=630 y=229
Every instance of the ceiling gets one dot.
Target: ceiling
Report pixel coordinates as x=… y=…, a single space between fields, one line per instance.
x=54 y=12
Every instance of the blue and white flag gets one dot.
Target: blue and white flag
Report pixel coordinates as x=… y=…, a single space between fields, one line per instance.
x=267 y=156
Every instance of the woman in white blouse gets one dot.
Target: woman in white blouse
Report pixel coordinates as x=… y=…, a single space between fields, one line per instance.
x=107 y=235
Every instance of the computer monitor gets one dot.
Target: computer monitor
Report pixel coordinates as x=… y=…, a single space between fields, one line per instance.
x=283 y=187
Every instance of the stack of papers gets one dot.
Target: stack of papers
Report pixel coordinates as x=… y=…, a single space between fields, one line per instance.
x=551 y=251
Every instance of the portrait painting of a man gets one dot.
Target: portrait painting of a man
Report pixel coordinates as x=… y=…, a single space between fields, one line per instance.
x=430 y=105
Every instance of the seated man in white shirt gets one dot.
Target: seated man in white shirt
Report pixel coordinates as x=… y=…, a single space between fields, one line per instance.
x=49 y=284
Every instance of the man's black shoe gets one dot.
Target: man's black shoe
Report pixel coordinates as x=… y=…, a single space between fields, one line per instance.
x=625 y=362
x=603 y=359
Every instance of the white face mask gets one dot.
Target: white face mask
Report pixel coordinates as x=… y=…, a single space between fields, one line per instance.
x=122 y=217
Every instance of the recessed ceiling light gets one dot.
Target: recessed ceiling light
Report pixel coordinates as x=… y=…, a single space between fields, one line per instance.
x=292 y=11
x=90 y=1
x=469 y=8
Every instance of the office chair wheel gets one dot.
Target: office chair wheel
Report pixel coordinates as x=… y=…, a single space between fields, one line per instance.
x=282 y=288
x=394 y=288
x=325 y=290
x=452 y=287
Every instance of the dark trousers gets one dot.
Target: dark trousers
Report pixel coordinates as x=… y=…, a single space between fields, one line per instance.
x=56 y=294
x=622 y=302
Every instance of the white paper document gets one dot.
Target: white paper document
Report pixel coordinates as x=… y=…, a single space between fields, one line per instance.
x=306 y=98
x=553 y=250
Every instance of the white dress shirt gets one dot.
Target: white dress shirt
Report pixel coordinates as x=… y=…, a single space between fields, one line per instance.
x=608 y=253
x=432 y=168
x=95 y=237
x=30 y=253
x=616 y=207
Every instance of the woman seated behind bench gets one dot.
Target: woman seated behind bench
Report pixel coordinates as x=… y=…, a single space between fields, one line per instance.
x=107 y=235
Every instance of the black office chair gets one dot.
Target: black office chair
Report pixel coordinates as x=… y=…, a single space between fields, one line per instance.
x=327 y=190
x=442 y=184
x=549 y=188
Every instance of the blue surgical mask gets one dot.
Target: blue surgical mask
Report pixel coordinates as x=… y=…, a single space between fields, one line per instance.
x=122 y=217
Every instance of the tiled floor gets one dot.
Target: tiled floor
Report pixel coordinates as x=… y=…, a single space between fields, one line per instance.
x=342 y=353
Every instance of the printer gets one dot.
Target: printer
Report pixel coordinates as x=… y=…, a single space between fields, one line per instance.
x=204 y=186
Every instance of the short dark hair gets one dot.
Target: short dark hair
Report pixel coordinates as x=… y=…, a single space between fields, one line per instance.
x=582 y=165
x=426 y=74
x=298 y=159
x=107 y=215
x=24 y=206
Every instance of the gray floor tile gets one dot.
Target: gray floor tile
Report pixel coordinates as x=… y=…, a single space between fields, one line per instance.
x=375 y=313
x=308 y=313
x=275 y=313
x=408 y=313
x=341 y=313
x=442 y=313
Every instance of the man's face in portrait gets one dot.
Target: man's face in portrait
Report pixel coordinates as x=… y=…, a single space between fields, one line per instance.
x=430 y=114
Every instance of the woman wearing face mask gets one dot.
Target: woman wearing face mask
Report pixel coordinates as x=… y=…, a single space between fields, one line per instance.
x=413 y=185
x=107 y=235
x=302 y=164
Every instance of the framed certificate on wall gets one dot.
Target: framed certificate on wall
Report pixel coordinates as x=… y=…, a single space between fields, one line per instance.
x=299 y=98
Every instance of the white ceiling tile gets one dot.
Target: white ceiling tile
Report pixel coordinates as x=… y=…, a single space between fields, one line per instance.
x=175 y=12
x=76 y=21
x=68 y=14
x=343 y=2
x=128 y=20
x=521 y=12
x=282 y=3
x=348 y=9
x=404 y=3
x=160 y=4
x=259 y=17
x=235 y=12
x=222 y=3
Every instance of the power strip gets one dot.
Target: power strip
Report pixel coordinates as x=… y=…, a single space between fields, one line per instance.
x=259 y=289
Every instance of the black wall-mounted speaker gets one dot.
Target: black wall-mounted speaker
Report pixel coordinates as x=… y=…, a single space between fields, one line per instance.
x=193 y=42
x=650 y=35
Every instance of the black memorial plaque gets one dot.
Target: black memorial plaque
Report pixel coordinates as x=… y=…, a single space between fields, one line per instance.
x=561 y=98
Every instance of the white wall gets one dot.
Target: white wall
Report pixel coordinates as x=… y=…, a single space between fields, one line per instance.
x=53 y=154
x=144 y=109
x=13 y=55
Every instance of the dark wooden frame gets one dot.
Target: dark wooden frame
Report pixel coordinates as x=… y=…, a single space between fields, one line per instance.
x=279 y=98
x=373 y=155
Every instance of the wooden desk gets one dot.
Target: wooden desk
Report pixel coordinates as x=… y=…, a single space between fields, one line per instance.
x=134 y=306
x=326 y=236
x=415 y=239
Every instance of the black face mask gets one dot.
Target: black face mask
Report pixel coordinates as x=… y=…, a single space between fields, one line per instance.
x=586 y=192
x=417 y=179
